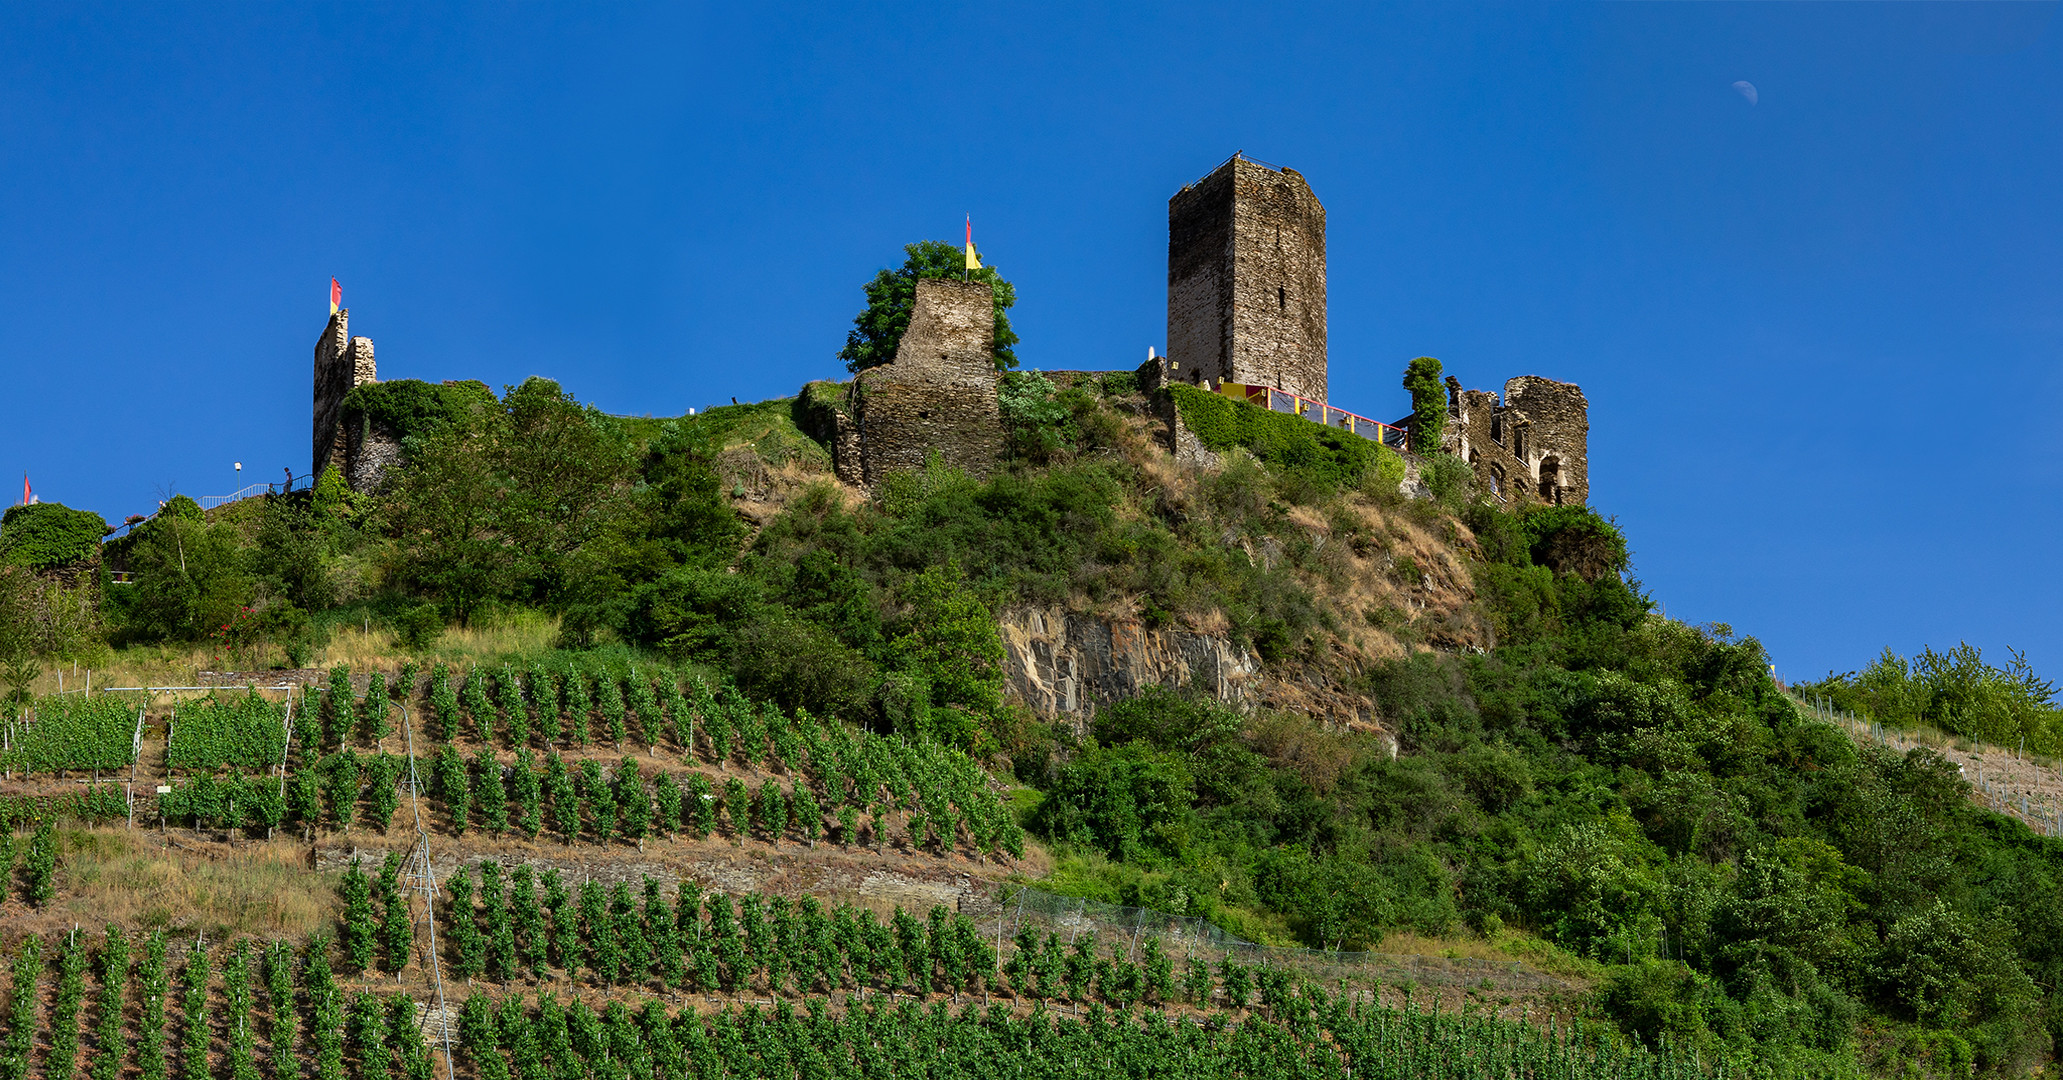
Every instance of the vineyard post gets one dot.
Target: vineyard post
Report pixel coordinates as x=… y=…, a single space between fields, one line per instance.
x=284 y=747
x=425 y=880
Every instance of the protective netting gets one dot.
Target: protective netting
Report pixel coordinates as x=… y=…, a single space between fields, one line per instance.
x=1068 y=918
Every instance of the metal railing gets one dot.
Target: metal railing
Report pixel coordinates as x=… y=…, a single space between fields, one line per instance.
x=210 y=502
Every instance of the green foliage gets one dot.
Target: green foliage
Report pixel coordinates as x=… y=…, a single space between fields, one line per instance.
x=1955 y=691
x=1428 y=404
x=892 y=295
x=20 y=1040
x=153 y=987
x=358 y=931
x=64 y=1005
x=1322 y=459
x=73 y=732
x=39 y=868
x=47 y=536
x=949 y=639
x=194 y=1027
x=242 y=731
x=1128 y=801
x=189 y=577
x=331 y=497
x=411 y=408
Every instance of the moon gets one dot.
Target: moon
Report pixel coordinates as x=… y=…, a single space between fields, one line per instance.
x=1747 y=90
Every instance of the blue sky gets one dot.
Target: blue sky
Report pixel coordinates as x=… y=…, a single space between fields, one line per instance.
x=1818 y=333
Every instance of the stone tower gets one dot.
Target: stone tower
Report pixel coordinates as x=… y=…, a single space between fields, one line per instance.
x=940 y=391
x=1246 y=280
x=341 y=362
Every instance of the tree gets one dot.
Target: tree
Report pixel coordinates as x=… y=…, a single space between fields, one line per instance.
x=878 y=330
x=950 y=640
x=189 y=575
x=445 y=510
x=1428 y=404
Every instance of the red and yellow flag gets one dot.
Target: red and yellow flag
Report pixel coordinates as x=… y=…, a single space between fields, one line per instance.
x=336 y=296
x=973 y=260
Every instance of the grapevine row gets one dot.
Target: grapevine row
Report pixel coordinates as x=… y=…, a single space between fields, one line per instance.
x=315 y=1026
x=71 y=732
x=938 y=793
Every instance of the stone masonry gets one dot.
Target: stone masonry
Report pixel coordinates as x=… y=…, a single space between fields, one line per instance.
x=940 y=391
x=1534 y=446
x=1246 y=280
x=341 y=362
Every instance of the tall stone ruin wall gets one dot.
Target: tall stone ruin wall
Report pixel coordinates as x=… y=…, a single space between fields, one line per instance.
x=1246 y=279
x=938 y=394
x=341 y=363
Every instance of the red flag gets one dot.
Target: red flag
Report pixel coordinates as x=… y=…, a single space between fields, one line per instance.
x=25 y=489
x=336 y=296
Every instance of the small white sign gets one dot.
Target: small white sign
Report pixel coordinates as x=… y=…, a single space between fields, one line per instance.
x=163 y=790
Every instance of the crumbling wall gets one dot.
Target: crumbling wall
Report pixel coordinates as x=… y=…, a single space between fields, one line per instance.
x=940 y=391
x=370 y=451
x=1533 y=446
x=341 y=362
x=823 y=411
x=1246 y=280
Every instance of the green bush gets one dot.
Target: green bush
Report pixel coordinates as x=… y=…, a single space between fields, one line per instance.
x=1325 y=459
x=412 y=407
x=1428 y=405
x=46 y=536
x=1129 y=802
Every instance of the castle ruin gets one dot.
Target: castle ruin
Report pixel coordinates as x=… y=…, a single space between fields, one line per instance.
x=937 y=395
x=342 y=362
x=1532 y=446
x=1246 y=307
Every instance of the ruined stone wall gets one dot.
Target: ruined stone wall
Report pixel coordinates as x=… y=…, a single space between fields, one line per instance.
x=1246 y=280
x=370 y=452
x=1533 y=446
x=940 y=391
x=341 y=362
x=1558 y=436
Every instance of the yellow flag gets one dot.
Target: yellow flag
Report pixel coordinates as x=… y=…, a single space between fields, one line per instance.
x=973 y=260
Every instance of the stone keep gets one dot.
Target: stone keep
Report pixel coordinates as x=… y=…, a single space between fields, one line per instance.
x=940 y=391
x=1533 y=446
x=1246 y=280
x=341 y=362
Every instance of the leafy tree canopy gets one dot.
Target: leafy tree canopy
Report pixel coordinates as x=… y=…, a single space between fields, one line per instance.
x=878 y=330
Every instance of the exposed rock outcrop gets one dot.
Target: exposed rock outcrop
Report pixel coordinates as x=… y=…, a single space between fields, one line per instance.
x=1066 y=665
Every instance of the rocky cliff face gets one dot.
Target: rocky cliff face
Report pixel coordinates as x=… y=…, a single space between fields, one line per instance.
x=1066 y=665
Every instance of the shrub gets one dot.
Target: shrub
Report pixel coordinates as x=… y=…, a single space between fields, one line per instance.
x=45 y=536
x=1428 y=404
x=1319 y=459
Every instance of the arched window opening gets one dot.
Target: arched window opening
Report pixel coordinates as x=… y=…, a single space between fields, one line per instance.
x=1551 y=480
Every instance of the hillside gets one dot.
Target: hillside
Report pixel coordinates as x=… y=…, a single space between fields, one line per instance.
x=1293 y=692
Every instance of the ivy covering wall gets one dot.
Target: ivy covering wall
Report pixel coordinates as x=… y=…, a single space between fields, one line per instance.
x=49 y=535
x=1318 y=453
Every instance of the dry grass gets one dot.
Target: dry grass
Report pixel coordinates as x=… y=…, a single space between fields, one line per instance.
x=148 y=880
